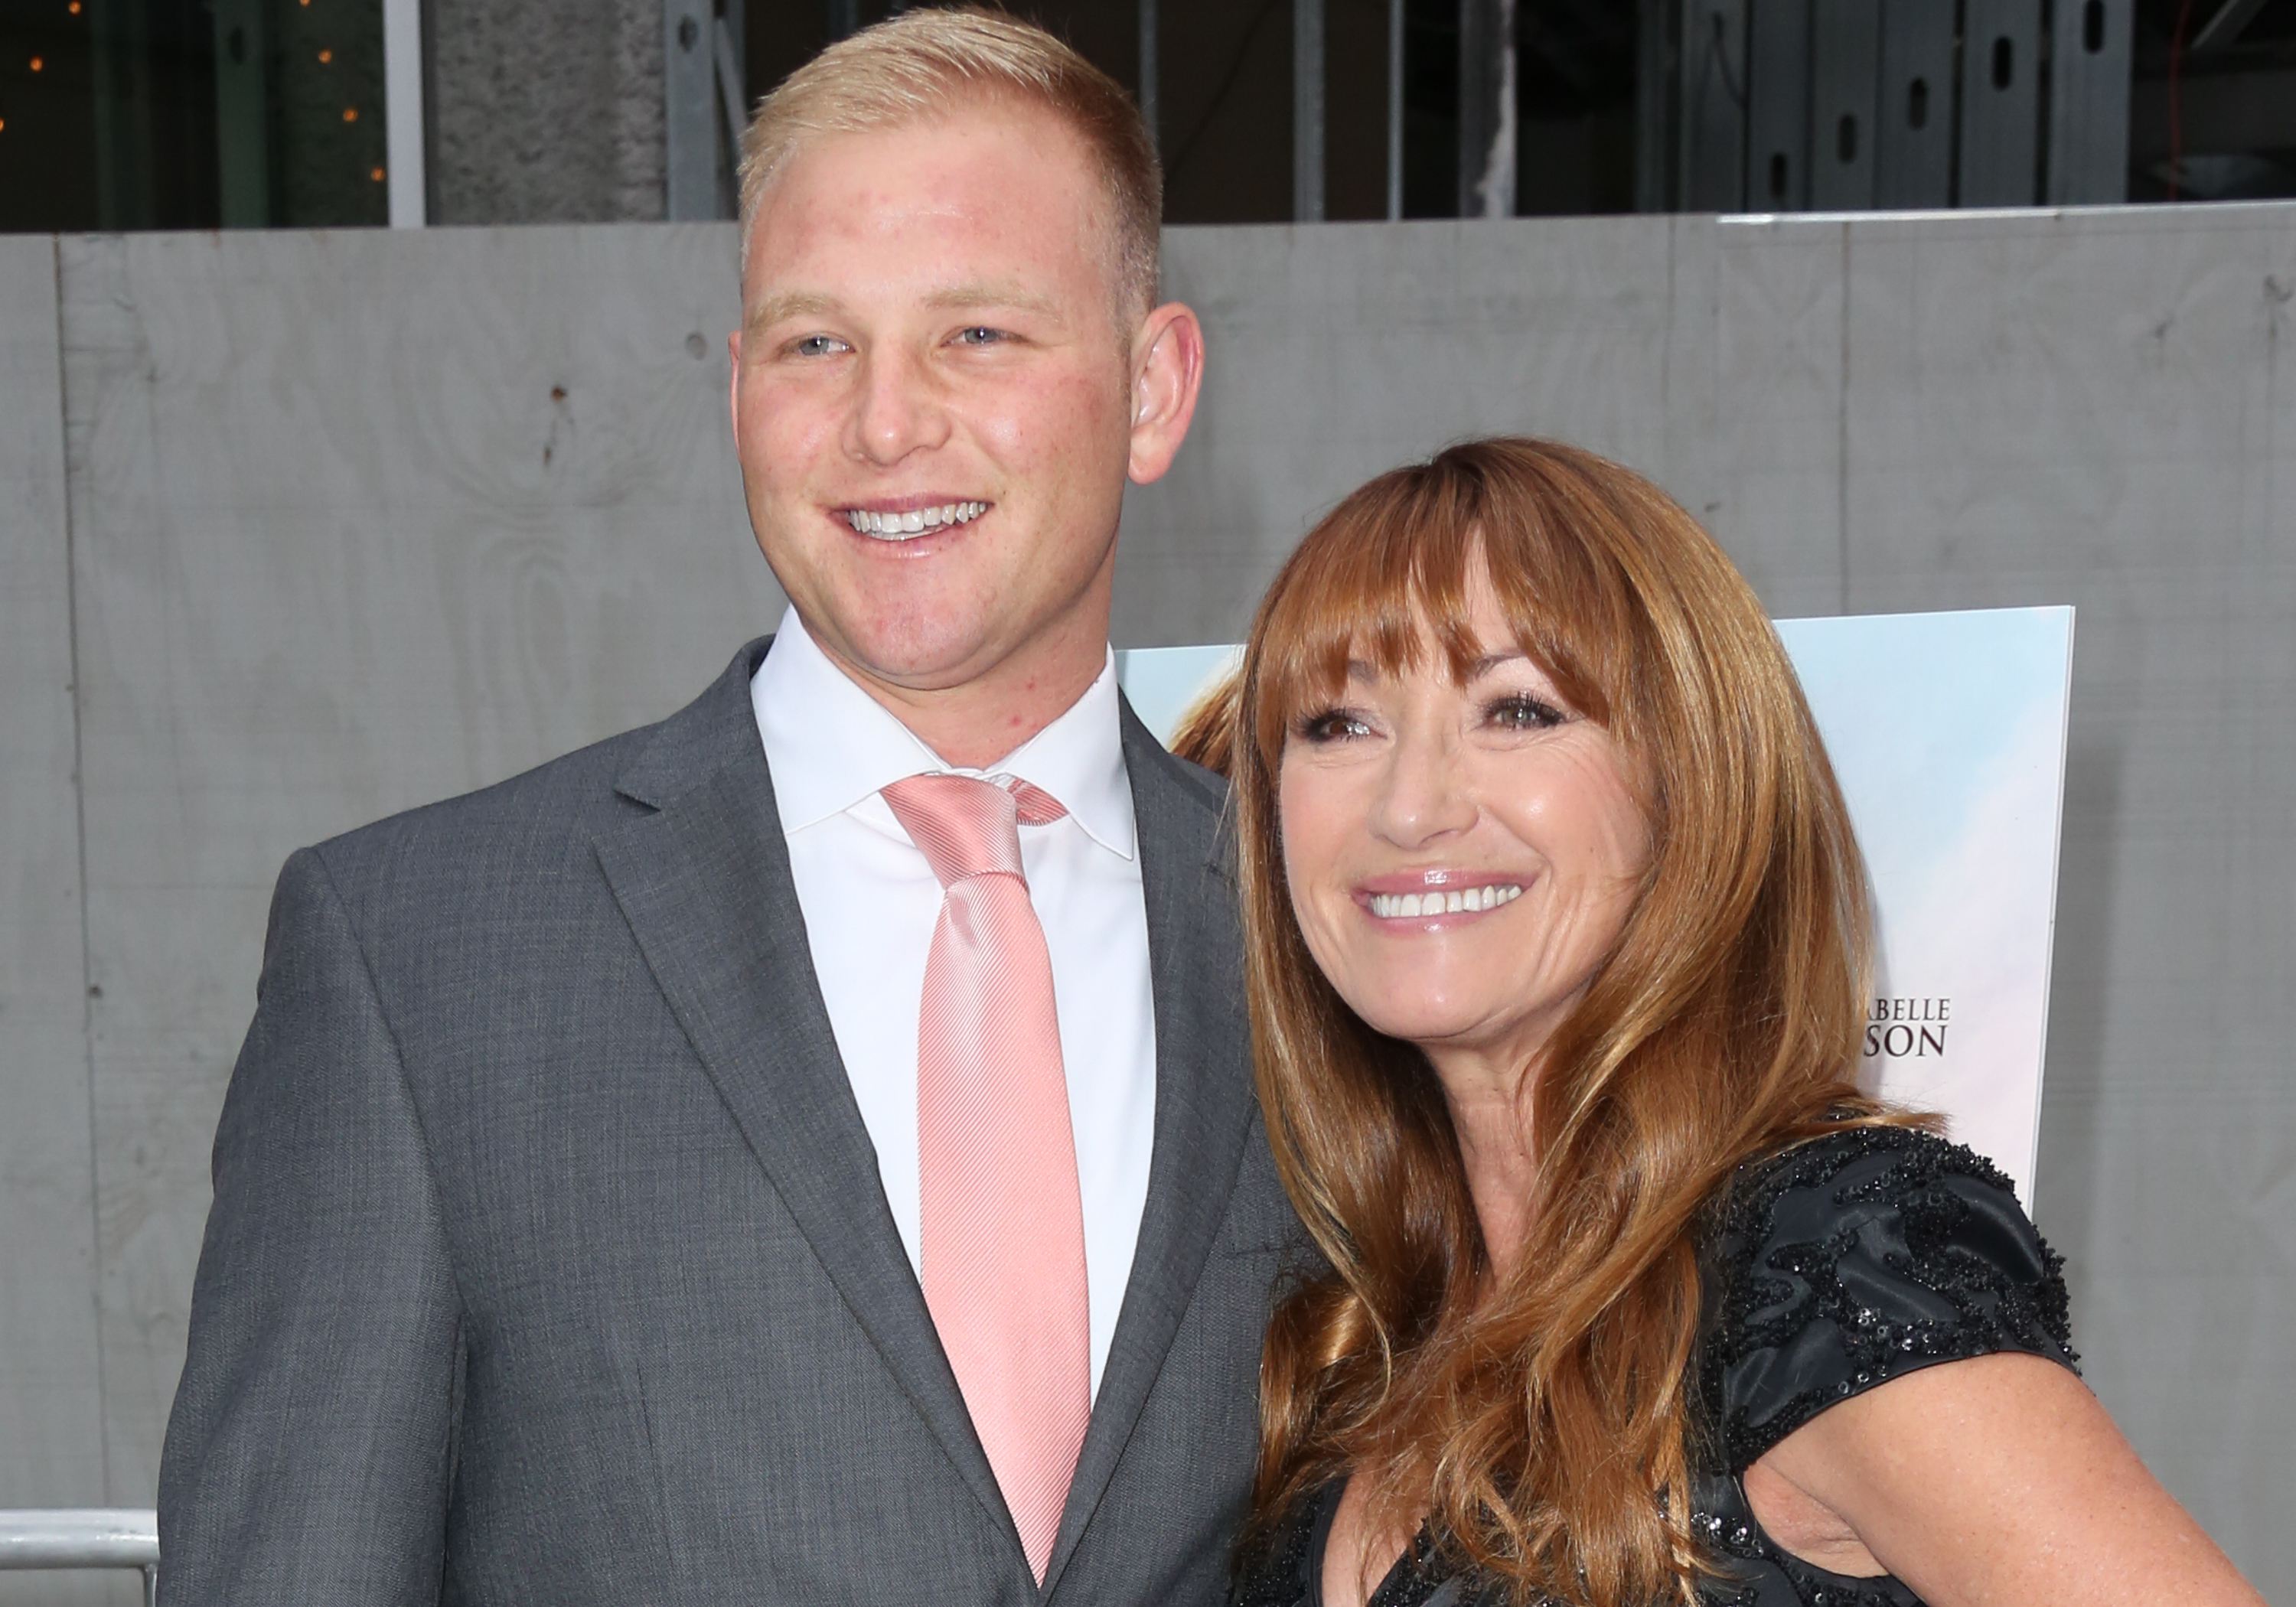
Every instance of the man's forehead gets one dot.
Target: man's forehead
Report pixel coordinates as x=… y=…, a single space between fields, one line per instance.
x=975 y=164
x=822 y=246
x=992 y=137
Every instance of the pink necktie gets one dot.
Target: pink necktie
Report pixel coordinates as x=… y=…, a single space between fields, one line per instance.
x=1002 y=1238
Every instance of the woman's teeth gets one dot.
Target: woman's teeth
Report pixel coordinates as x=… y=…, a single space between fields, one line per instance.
x=1456 y=901
x=892 y=527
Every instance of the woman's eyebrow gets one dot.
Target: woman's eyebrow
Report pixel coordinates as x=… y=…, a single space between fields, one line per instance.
x=1491 y=661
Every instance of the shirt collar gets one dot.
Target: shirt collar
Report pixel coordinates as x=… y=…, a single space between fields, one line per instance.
x=831 y=746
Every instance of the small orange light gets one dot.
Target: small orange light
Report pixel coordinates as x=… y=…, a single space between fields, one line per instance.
x=326 y=56
x=350 y=114
x=38 y=63
x=4 y=122
x=73 y=8
x=375 y=174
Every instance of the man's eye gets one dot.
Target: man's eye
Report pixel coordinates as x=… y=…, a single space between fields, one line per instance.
x=818 y=346
x=1522 y=712
x=980 y=334
x=1331 y=726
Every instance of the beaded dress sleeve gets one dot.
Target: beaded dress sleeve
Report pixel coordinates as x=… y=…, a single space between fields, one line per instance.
x=1831 y=1269
x=1827 y=1270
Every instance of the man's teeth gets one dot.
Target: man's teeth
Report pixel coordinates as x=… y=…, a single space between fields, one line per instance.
x=1454 y=901
x=913 y=522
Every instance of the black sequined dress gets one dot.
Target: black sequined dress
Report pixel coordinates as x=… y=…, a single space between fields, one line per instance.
x=1829 y=1269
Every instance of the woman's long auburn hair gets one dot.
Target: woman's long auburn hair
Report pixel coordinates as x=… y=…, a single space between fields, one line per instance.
x=1544 y=1424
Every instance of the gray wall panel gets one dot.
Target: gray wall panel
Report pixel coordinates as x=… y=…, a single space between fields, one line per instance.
x=364 y=519
x=1776 y=421
x=2096 y=409
x=1639 y=337
x=51 y=1406
x=1378 y=346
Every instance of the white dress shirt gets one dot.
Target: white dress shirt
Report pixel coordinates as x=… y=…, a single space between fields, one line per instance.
x=870 y=903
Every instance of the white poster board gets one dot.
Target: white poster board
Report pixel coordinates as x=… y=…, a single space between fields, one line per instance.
x=1947 y=733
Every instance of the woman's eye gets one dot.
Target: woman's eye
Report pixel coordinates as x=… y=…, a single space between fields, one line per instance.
x=1332 y=725
x=1522 y=712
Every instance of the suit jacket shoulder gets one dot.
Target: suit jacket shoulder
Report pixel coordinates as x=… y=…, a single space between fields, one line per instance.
x=425 y=862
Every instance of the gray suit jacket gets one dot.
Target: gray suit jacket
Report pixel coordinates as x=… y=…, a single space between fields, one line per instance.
x=549 y=1262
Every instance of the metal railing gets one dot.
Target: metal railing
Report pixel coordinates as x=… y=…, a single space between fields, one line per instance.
x=84 y=1537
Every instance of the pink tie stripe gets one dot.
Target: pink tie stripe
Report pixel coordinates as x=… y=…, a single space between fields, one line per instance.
x=1002 y=1231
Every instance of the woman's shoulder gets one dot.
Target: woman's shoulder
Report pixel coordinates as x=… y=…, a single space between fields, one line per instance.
x=1847 y=1260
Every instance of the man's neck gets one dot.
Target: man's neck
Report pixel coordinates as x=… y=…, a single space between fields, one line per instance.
x=975 y=723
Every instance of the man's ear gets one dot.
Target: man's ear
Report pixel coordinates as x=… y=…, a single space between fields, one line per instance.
x=1168 y=371
x=733 y=380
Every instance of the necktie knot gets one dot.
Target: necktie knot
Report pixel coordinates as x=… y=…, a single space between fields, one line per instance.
x=966 y=826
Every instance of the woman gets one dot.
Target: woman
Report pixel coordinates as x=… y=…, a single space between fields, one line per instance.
x=1557 y=946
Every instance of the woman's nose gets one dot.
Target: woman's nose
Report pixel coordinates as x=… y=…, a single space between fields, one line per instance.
x=1424 y=794
x=894 y=411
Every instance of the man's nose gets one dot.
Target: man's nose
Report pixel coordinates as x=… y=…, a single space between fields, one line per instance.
x=1424 y=793
x=895 y=409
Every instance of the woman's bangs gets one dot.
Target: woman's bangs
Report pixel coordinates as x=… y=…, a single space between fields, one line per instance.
x=1382 y=581
x=1567 y=628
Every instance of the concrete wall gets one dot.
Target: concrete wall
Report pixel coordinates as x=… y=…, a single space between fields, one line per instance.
x=50 y=1367
x=358 y=520
x=543 y=110
x=336 y=523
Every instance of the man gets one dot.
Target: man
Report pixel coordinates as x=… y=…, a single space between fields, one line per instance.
x=803 y=1150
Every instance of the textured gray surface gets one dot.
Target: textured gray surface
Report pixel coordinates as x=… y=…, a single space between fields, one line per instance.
x=2168 y=1160
x=340 y=550
x=50 y=1403
x=363 y=520
x=544 y=111
x=1708 y=355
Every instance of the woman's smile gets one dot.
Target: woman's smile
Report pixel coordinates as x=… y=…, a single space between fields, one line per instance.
x=1425 y=900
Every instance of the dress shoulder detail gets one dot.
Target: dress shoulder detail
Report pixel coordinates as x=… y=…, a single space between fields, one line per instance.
x=1275 y=1571
x=1282 y=1568
x=1853 y=1259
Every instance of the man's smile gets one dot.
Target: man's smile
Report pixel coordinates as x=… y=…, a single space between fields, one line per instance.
x=899 y=524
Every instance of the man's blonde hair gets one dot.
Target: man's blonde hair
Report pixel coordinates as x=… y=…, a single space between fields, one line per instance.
x=927 y=63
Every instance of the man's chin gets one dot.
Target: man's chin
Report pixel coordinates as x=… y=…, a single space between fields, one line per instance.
x=925 y=656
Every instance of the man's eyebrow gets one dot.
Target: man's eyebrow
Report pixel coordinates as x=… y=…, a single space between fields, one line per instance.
x=977 y=294
x=773 y=309
x=993 y=292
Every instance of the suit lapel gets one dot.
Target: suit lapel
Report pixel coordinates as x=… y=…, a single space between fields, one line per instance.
x=704 y=882
x=1204 y=1096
